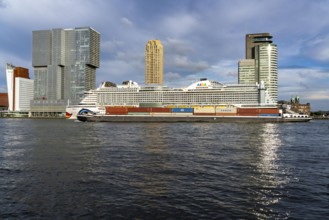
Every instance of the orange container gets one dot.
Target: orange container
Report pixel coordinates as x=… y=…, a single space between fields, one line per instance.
x=248 y=110
x=149 y=109
x=269 y=111
x=139 y=109
x=258 y=110
x=159 y=109
x=116 y=110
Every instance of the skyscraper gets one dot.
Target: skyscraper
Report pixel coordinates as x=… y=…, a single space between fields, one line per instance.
x=154 y=62
x=266 y=68
x=252 y=40
x=261 y=63
x=247 y=71
x=19 y=88
x=65 y=63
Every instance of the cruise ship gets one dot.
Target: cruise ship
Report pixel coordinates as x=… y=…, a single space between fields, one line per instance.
x=201 y=99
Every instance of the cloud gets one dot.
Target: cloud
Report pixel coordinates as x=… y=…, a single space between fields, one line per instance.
x=297 y=75
x=131 y=58
x=111 y=46
x=183 y=62
x=118 y=70
x=180 y=24
x=200 y=38
x=177 y=46
x=226 y=71
x=172 y=77
x=44 y=12
x=318 y=95
x=309 y=84
x=317 y=48
x=126 y=22
x=3 y=4
x=6 y=57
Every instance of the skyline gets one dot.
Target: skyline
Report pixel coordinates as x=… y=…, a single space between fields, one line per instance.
x=201 y=39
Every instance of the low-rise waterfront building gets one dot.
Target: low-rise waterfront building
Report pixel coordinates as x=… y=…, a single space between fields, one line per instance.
x=19 y=88
x=294 y=105
x=3 y=101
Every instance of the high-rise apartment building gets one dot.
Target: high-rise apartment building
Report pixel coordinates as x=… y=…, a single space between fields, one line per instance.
x=261 y=63
x=19 y=88
x=154 y=62
x=65 y=63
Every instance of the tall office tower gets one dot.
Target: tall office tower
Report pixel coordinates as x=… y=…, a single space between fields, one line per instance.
x=266 y=68
x=247 y=71
x=20 y=88
x=261 y=63
x=65 y=63
x=154 y=62
x=252 y=40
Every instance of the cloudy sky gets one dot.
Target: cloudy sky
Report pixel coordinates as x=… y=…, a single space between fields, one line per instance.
x=201 y=38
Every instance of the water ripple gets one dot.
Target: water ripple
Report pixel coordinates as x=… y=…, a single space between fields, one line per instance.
x=61 y=169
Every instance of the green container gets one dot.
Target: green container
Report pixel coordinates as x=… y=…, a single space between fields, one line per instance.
x=150 y=104
x=138 y=113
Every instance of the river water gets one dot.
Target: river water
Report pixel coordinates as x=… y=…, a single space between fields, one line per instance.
x=67 y=170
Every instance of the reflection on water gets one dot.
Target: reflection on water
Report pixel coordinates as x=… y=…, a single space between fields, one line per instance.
x=61 y=169
x=269 y=145
x=154 y=161
x=269 y=174
x=154 y=137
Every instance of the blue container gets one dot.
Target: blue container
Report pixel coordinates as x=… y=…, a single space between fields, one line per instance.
x=182 y=110
x=269 y=115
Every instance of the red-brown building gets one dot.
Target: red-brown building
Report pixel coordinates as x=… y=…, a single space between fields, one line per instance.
x=3 y=101
x=19 y=72
x=14 y=72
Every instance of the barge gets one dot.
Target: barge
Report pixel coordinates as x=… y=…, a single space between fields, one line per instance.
x=208 y=119
x=142 y=114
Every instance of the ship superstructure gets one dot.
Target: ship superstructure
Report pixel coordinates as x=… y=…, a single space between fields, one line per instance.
x=201 y=93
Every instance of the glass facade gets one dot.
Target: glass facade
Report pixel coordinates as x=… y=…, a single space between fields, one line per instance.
x=267 y=68
x=261 y=63
x=40 y=83
x=65 y=63
x=247 y=72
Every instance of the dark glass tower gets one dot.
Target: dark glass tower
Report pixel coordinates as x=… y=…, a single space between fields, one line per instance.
x=65 y=63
